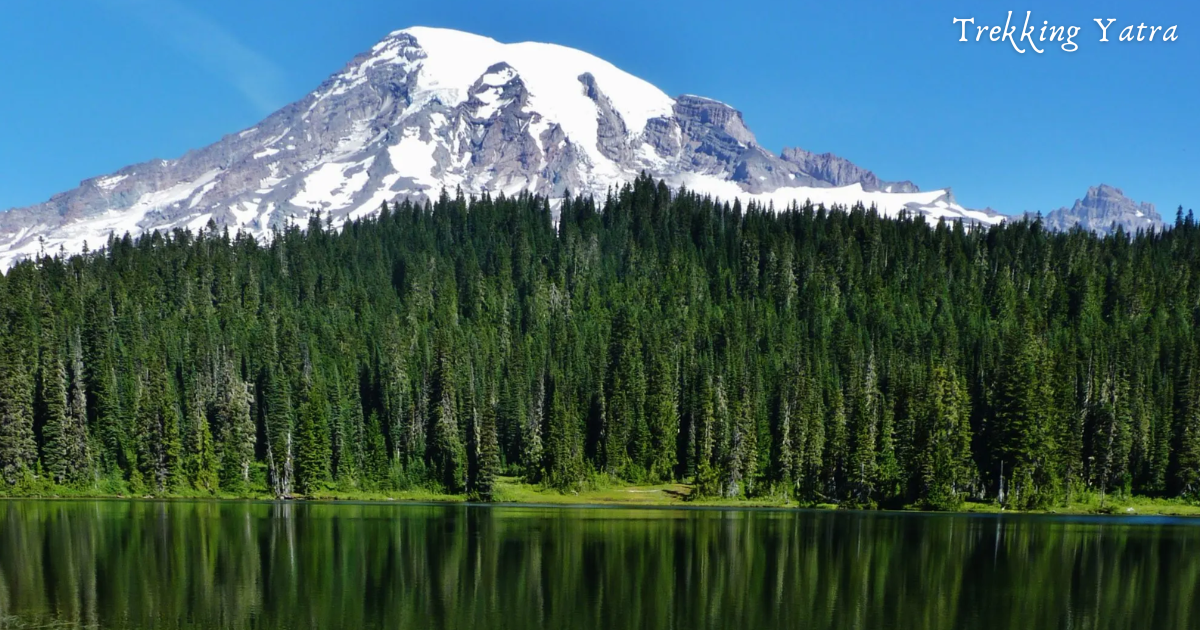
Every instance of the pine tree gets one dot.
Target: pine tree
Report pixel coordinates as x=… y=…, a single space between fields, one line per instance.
x=312 y=441
x=1025 y=417
x=447 y=454
x=662 y=418
x=58 y=459
x=488 y=456
x=203 y=466
x=784 y=456
x=944 y=440
x=626 y=434
x=812 y=456
x=75 y=434
x=159 y=452
x=1187 y=470
x=741 y=460
x=707 y=482
x=18 y=448
x=236 y=430
x=564 y=452
x=837 y=447
x=408 y=444
x=375 y=462
x=889 y=473
x=346 y=442
x=279 y=432
x=863 y=431
x=839 y=356
x=105 y=414
x=66 y=456
x=531 y=434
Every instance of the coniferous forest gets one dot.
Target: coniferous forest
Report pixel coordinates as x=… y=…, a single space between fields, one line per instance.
x=832 y=356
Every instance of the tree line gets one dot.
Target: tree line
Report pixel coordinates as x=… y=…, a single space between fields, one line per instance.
x=826 y=355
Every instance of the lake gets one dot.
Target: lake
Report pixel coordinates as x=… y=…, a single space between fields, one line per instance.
x=146 y=564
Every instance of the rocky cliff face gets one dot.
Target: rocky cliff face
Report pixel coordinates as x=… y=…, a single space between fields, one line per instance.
x=830 y=170
x=427 y=110
x=1102 y=210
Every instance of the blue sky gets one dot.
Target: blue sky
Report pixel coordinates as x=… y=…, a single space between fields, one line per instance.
x=90 y=86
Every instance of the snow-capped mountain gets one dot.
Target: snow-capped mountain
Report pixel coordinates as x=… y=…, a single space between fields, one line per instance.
x=1104 y=208
x=431 y=109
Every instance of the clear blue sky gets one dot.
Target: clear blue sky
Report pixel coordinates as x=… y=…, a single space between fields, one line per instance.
x=90 y=86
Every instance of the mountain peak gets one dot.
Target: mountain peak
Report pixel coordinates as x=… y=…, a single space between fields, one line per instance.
x=430 y=109
x=1102 y=209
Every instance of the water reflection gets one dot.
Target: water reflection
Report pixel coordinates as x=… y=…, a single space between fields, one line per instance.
x=117 y=564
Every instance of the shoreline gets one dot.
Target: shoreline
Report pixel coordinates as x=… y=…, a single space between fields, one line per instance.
x=512 y=493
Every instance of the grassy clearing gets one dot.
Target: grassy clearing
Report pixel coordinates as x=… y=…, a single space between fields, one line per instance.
x=607 y=492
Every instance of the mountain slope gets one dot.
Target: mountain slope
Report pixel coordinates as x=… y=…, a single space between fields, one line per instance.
x=432 y=109
x=1103 y=208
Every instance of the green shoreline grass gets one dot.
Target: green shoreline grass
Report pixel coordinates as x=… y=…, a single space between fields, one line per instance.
x=512 y=491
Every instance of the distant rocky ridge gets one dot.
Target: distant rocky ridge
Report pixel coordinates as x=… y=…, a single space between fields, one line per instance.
x=827 y=169
x=427 y=110
x=1104 y=208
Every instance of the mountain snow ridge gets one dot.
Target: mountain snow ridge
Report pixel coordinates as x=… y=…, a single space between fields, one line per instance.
x=430 y=109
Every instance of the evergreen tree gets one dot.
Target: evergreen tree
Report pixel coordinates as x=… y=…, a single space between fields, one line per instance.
x=203 y=465
x=811 y=456
x=564 y=452
x=488 y=456
x=834 y=355
x=944 y=442
x=1025 y=413
x=707 y=474
x=662 y=418
x=279 y=432
x=18 y=448
x=1187 y=470
x=77 y=447
x=532 y=453
x=626 y=431
x=58 y=458
x=346 y=441
x=66 y=456
x=863 y=432
x=375 y=463
x=235 y=429
x=312 y=441
x=159 y=452
x=447 y=454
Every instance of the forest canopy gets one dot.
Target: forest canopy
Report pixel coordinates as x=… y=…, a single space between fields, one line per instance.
x=654 y=335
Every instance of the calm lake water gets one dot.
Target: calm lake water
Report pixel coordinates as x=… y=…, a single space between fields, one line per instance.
x=114 y=564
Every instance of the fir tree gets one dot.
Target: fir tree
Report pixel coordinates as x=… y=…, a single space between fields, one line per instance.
x=662 y=418
x=279 y=432
x=235 y=429
x=312 y=441
x=18 y=451
x=836 y=355
x=532 y=452
x=1187 y=470
x=489 y=457
x=446 y=451
x=1025 y=413
x=159 y=452
x=375 y=462
x=203 y=469
x=944 y=442
x=75 y=434
x=59 y=459
x=863 y=432
x=18 y=447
